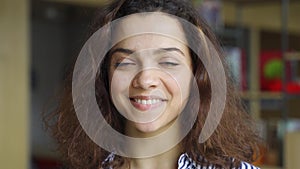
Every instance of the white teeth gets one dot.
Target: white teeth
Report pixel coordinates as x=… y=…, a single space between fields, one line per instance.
x=149 y=101
x=144 y=102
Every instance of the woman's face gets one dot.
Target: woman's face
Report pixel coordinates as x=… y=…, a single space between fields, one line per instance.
x=150 y=76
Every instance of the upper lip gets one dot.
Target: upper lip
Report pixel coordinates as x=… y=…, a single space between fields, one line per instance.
x=141 y=97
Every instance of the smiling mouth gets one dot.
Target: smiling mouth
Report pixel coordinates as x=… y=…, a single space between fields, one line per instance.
x=146 y=103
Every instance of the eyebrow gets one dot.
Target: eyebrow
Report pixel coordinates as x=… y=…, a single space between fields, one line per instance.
x=160 y=50
x=169 y=50
x=121 y=50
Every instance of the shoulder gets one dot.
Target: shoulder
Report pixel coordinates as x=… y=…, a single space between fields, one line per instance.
x=185 y=162
x=245 y=165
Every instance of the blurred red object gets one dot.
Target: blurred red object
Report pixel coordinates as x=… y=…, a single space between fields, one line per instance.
x=273 y=85
x=293 y=88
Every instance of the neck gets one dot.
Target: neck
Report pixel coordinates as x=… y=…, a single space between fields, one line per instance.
x=167 y=160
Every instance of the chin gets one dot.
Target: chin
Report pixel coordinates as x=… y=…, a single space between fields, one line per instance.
x=151 y=129
x=147 y=128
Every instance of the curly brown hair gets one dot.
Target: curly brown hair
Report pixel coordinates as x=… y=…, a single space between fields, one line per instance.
x=235 y=137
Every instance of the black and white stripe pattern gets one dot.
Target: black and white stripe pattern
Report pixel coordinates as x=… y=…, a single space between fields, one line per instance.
x=185 y=162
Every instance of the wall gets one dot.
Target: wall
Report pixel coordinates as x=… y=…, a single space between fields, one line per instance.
x=14 y=84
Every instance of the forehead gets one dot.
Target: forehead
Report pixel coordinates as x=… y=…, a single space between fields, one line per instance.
x=155 y=23
x=150 y=41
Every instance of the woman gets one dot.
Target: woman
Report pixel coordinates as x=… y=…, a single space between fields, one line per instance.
x=149 y=83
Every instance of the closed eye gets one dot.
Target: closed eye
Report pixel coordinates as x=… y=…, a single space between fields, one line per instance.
x=124 y=64
x=168 y=64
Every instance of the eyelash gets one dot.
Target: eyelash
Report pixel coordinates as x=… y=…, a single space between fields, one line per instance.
x=123 y=64
x=169 y=63
x=120 y=64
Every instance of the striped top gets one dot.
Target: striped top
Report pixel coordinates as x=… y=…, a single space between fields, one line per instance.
x=185 y=162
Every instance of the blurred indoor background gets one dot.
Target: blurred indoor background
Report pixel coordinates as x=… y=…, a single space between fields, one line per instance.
x=39 y=40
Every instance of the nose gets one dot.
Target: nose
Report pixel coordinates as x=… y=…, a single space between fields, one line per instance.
x=146 y=79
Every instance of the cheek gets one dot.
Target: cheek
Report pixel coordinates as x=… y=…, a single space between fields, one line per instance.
x=185 y=84
x=179 y=85
x=119 y=83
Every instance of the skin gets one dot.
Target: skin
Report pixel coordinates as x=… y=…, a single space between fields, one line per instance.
x=150 y=79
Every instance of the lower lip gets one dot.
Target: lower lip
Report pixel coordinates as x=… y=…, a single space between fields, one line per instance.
x=145 y=107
